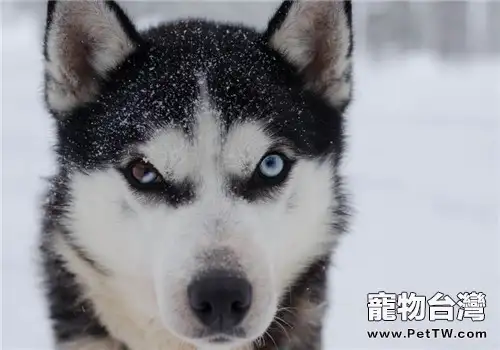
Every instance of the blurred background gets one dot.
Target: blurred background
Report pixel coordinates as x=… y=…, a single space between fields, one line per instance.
x=421 y=166
x=450 y=29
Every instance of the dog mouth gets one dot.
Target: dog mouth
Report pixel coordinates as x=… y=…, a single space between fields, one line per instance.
x=221 y=337
x=219 y=341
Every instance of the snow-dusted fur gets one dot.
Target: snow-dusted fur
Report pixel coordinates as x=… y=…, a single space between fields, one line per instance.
x=202 y=105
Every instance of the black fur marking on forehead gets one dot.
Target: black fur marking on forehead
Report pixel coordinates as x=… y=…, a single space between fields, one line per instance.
x=159 y=85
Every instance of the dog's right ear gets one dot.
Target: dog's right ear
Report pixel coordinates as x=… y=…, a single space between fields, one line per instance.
x=84 y=40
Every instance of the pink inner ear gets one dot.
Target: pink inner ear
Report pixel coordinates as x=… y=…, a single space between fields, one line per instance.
x=85 y=40
x=75 y=52
x=326 y=50
x=315 y=38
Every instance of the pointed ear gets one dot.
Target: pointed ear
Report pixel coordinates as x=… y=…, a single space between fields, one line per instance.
x=316 y=38
x=84 y=40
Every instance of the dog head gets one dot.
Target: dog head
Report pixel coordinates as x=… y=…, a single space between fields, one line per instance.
x=199 y=160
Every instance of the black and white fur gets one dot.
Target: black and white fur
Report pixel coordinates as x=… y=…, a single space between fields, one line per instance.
x=203 y=103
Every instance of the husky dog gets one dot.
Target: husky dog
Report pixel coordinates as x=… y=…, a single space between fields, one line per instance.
x=198 y=197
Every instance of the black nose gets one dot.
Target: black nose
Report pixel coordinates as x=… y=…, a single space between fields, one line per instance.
x=220 y=301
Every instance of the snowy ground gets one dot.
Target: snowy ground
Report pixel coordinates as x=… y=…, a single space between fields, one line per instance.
x=422 y=165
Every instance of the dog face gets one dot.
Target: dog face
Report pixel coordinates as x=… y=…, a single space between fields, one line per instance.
x=199 y=160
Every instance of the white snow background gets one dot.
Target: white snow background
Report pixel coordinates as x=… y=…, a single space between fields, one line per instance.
x=422 y=167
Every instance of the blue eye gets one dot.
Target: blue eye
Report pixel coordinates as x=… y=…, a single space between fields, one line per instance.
x=148 y=177
x=272 y=165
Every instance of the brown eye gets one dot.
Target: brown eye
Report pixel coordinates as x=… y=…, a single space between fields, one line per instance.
x=143 y=173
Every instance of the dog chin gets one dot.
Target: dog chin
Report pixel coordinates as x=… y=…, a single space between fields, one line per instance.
x=238 y=339
x=221 y=342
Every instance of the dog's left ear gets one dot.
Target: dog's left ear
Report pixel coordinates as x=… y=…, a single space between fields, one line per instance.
x=84 y=41
x=316 y=38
